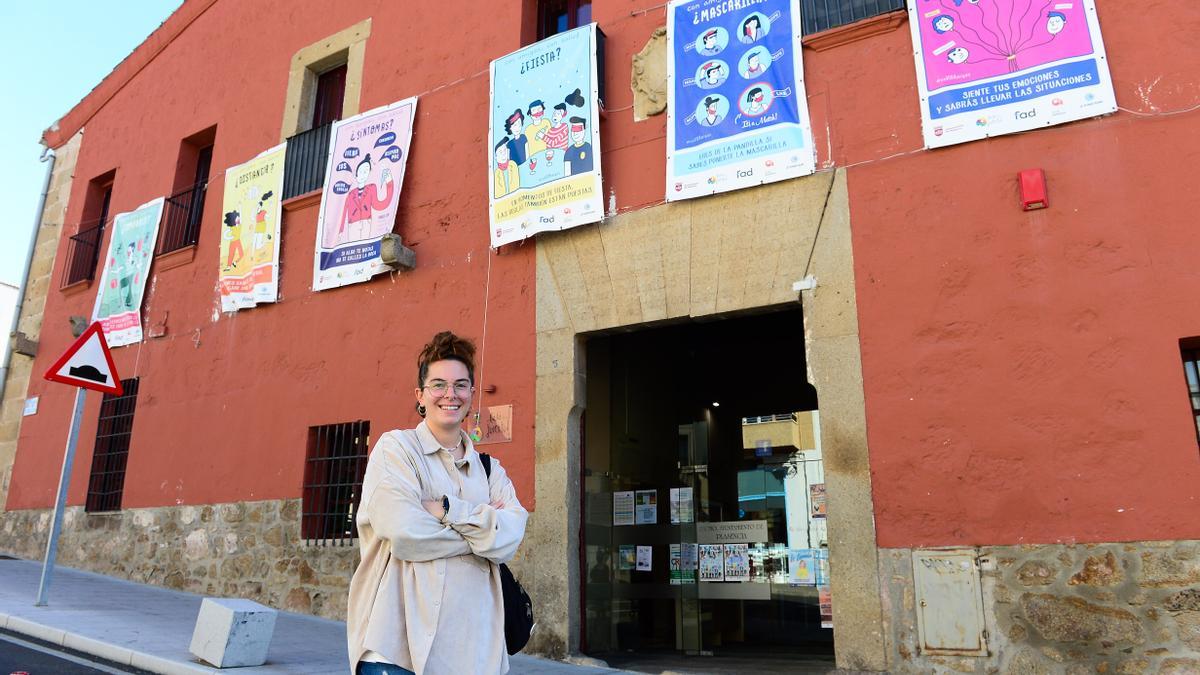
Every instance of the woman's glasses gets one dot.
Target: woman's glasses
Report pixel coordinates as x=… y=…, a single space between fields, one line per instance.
x=439 y=387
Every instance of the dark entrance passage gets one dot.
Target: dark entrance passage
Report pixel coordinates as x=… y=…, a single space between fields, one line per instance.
x=703 y=498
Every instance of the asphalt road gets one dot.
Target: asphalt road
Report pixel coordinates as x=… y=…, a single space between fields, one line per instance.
x=20 y=656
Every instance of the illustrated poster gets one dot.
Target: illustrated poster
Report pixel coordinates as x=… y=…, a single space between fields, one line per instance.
x=623 y=508
x=737 y=112
x=118 y=305
x=363 y=177
x=825 y=598
x=250 y=231
x=992 y=67
x=675 y=563
x=712 y=562
x=737 y=562
x=688 y=562
x=647 y=507
x=802 y=567
x=645 y=557
x=682 y=510
x=543 y=141
x=816 y=497
x=627 y=556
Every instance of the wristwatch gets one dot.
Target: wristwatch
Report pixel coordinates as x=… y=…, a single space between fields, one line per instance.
x=445 y=505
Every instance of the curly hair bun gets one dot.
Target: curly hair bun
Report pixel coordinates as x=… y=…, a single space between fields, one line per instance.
x=446 y=345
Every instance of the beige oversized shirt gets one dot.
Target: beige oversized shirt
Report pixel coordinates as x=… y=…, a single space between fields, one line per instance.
x=426 y=595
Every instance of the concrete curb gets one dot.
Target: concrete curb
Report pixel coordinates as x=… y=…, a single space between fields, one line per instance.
x=119 y=655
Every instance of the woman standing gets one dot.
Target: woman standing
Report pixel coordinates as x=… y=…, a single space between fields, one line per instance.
x=432 y=530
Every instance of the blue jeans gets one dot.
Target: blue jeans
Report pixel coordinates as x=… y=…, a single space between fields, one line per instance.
x=371 y=668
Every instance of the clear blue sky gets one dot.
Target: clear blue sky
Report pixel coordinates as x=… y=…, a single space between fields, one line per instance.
x=56 y=52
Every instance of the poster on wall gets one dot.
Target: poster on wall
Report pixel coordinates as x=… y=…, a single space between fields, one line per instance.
x=993 y=67
x=645 y=557
x=251 y=210
x=737 y=112
x=118 y=305
x=712 y=562
x=737 y=562
x=647 y=507
x=623 y=507
x=543 y=144
x=681 y=505
x=825 y=598
x=802 y=567
x=363 y=177
x=816 y=497
x=626 y=556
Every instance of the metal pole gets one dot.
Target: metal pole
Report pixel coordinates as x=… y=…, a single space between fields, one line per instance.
x=61 y=501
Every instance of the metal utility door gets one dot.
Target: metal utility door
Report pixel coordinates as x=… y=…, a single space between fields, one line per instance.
x=949 y=602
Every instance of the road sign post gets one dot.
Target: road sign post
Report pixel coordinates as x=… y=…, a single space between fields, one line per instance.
x=87 y=364
x=61 y=501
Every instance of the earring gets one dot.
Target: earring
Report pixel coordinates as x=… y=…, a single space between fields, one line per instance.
x=420 y=410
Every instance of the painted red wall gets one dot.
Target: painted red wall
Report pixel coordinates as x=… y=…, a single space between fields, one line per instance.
x=1021 y=371
x=226 y=401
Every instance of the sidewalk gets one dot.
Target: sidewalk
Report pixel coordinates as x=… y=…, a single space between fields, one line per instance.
x=150 y=628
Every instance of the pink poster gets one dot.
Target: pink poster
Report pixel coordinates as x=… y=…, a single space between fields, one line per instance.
x=991 y=67
x=363 y=177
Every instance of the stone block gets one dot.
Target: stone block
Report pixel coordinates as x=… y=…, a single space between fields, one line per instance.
x=1099 y=571
x=1179 y=667
x=1160 y=569
x=232 y=632
x=1074 y=620
x=1036 y=573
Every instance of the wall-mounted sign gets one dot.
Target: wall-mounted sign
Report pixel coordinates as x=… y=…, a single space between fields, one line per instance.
x=367 y=156
x=118 y=305
x=992 y=67
x=250 y=231
x=737 y=112
x=543 y=141
x=734 y=532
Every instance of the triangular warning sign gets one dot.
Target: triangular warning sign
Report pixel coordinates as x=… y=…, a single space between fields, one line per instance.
x=87 y=364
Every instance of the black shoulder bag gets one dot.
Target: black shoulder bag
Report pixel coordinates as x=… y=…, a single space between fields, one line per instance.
x=518 y=608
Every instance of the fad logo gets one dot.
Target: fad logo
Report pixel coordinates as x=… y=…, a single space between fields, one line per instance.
x=545 y=220
x=1026 y=114
x=745 y=174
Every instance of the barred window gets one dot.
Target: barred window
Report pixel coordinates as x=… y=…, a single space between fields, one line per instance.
x=819 y=15
x=333 y=474
x=111 y=453
x=1191 y=371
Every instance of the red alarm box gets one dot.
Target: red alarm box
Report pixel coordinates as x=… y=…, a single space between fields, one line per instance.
x=1033 y=189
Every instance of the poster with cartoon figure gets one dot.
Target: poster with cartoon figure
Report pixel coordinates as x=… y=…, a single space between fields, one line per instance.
x=543 y=144
x=118 y=305
x=367 y=156
x=250 y=211
x=737 y=112
x=992 y=67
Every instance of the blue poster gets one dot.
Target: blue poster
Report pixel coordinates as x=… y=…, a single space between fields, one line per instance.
x=543 y=144
x=737 y=109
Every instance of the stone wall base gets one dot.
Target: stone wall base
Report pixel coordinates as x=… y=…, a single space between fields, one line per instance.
x=1094 y=608
x=249 y=550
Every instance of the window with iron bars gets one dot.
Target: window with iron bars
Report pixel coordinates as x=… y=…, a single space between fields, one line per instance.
x=819 y=15
x=333 y=474
x=83 y=247
x=111 y=454
x=1190 y=350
